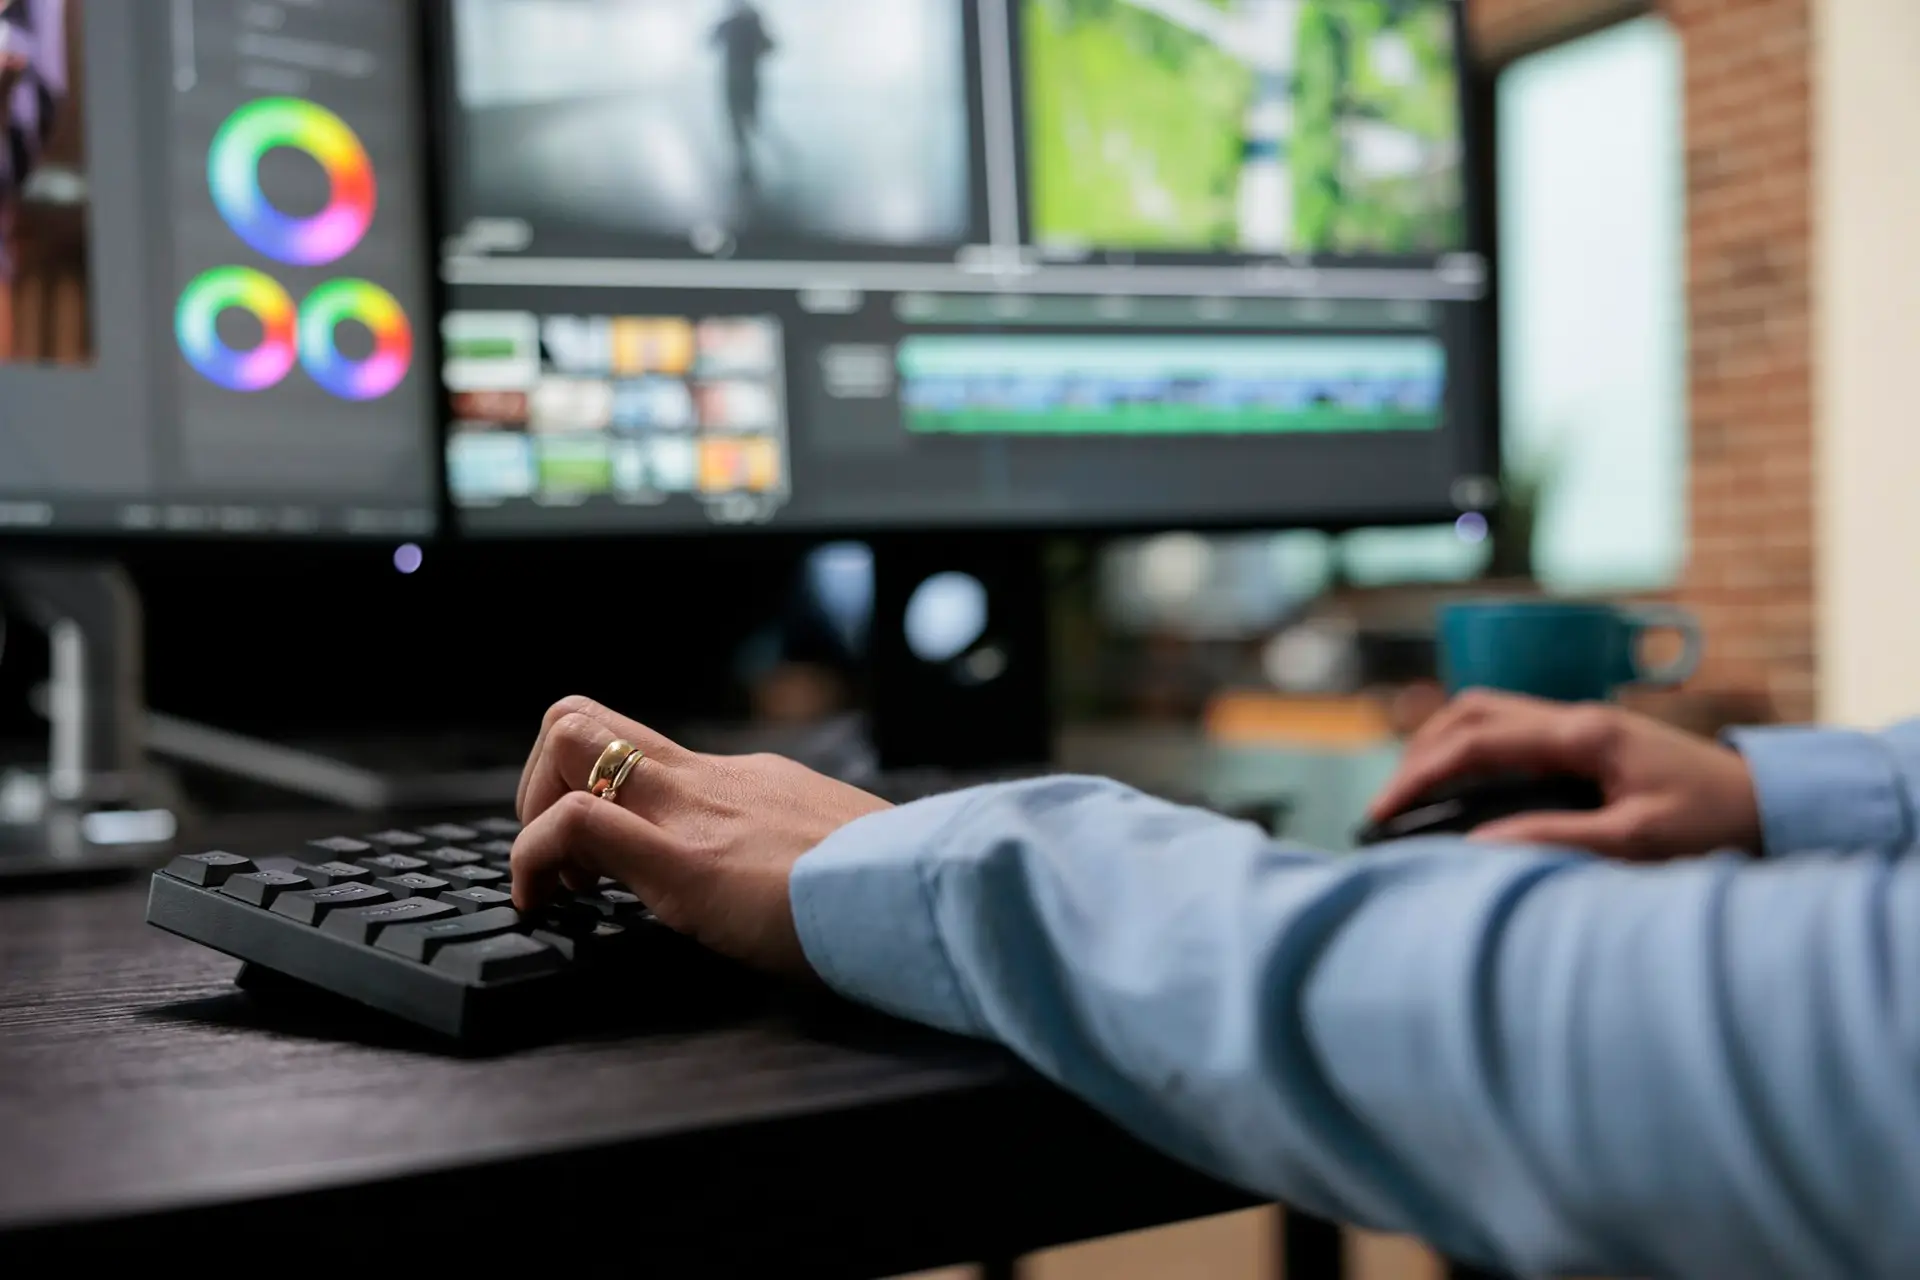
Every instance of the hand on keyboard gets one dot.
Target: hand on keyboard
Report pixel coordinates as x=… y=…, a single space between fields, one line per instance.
x=708 y=842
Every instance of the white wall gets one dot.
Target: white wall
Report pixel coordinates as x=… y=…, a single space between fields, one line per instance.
x=1867 y=245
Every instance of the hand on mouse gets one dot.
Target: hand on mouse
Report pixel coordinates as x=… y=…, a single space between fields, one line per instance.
x=707 y=842
x=1669 y=794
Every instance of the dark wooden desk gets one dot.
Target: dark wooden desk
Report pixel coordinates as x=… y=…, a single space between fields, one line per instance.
x=147 y=1104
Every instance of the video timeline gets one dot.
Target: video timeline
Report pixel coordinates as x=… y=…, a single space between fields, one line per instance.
x=640 y=409
x=1181 y=386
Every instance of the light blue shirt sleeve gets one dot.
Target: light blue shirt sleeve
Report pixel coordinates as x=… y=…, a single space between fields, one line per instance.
x=1535 y=1060
x=1834 y=789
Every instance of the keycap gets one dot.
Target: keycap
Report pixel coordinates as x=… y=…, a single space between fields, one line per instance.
x=339 y=848
x=582 y=945
x=423 y=941
x=506 y=827
x=414 y=884
x=450 y=833
x=569 y=913
x=395 y=841
x=493 y=850
x=394 y=864
x=328 y=874
x=449 y=857
x=313 y=906
x=478 y=898
x=261 y=888
x=364 y=924
x=468 y=877
x=496 y=959
x=209 y=870
x=617 y=903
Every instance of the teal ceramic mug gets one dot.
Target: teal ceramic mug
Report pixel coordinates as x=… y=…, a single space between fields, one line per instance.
x=1566 y=651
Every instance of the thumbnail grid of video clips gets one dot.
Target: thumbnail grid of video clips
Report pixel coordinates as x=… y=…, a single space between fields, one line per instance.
x=565 y=408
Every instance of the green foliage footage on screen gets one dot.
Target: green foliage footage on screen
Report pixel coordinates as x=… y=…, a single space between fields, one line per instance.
x=1253 y=126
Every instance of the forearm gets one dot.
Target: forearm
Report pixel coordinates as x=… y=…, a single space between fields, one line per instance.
x=1524 y=1057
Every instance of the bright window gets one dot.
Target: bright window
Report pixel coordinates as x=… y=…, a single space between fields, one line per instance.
x=1593 y=342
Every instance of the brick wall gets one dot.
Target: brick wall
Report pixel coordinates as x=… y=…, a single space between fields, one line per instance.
x=1748 y=111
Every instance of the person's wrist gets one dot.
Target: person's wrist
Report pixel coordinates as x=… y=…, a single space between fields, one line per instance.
x=1743 y=828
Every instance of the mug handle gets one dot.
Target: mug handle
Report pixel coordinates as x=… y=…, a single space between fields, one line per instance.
x=1666 y=618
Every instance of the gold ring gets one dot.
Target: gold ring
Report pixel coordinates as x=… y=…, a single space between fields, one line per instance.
x=627 y=766
x=610 y=765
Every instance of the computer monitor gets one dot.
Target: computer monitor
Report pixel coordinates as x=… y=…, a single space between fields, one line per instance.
x=870 y=265
x=903 y=268
x=215 y=309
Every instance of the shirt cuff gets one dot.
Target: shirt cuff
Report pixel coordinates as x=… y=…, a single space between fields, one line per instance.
x=863 y=902
x=1822 y=790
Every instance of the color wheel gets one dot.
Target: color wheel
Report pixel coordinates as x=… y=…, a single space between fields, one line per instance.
x=196 y=318
x=233 y=169
x=335 y=302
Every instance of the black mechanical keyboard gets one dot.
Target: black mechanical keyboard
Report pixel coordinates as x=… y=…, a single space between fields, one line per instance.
x=420 y=924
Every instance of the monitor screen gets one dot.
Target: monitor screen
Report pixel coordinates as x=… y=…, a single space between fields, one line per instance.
x=214 y=312
x=870 y=264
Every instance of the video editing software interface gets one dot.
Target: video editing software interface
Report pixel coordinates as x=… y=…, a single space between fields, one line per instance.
x=864 y=263
x=213 y=284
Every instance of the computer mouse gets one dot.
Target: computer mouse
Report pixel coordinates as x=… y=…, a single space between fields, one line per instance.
x=1464 y=804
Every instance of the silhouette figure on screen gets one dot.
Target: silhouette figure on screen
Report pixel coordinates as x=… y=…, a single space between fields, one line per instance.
x=745 y=45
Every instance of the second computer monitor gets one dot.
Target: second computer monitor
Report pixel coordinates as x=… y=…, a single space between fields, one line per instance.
x=215 y=317
x=871 y=264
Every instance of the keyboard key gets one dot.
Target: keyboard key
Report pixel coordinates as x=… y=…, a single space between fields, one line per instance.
x=477 y=898
x=617 y=903
x=569 y=914
x=261 y=887
x=394 y=864
x=340 y=849
x=414 y=884
x=577 y=946
x=510 y=955
x=450 y=833
x=449 y=857
x=395 y=841
x=314 y=905
x=209 y=870
x=493 y=850
x=470 y=877
x=364 y=924
x=328 y=874
x=503 y=827
x=423 y=941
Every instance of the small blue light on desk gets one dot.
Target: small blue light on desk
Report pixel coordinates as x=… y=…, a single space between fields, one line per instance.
x=1471 y=528
x=409 y=558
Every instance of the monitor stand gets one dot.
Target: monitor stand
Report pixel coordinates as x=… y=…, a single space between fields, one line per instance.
x=98 y=802
x=95 y=806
